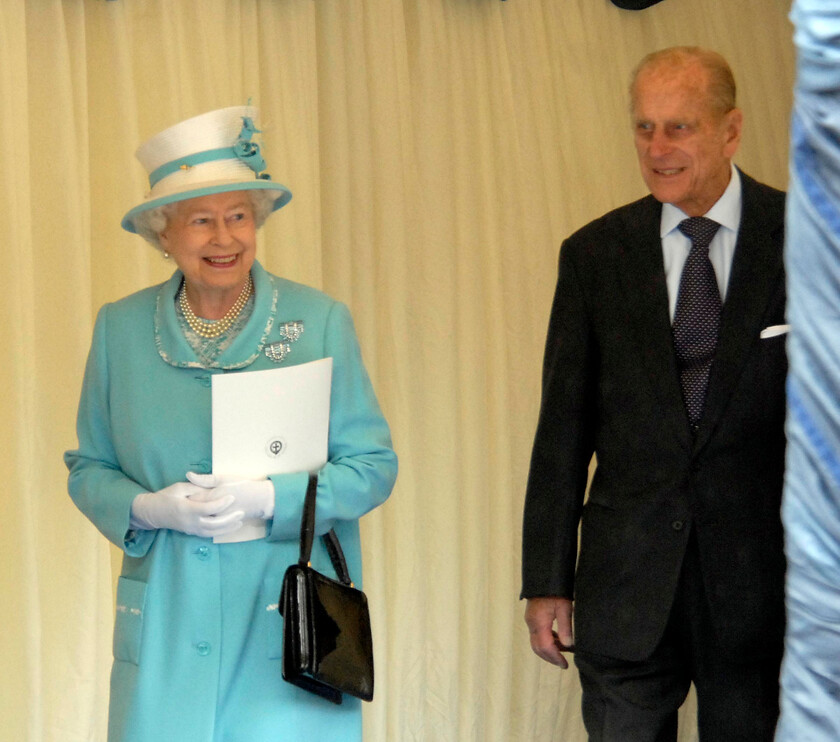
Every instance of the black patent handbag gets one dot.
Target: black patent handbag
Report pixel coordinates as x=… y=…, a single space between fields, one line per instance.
x=327 y=643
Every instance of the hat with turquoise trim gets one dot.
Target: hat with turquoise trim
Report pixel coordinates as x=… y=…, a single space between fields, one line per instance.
x=210 y=153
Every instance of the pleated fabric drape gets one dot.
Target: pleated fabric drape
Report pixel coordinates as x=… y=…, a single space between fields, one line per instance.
x=439 y=151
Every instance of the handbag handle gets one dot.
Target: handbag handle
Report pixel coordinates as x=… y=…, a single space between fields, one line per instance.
x=330 y=539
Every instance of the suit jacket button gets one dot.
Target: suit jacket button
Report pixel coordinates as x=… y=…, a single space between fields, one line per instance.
x=677 y=525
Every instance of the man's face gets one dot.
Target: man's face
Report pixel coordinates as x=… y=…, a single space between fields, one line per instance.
x=684 y=145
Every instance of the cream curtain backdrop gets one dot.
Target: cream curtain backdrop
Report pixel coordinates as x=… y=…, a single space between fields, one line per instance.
x=439 y=151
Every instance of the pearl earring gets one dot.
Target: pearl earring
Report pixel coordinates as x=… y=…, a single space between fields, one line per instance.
x=165 y=255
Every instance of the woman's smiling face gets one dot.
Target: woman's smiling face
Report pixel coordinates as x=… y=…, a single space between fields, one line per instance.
x=213 y=240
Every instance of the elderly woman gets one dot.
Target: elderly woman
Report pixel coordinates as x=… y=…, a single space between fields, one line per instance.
x=197 y=640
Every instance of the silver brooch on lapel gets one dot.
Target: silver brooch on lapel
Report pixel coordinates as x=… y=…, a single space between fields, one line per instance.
x=290 y=332
x=277 y=352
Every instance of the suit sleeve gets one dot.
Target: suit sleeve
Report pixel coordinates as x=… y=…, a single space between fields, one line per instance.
x=564 y=441
x=362 y=465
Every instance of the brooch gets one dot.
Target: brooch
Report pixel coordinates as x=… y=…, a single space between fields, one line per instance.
x=290 y=332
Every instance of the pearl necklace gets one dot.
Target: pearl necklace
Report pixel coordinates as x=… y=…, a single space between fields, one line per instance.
x=214 y=328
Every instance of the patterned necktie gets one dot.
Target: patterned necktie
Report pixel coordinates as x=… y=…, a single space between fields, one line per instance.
x=697 y=317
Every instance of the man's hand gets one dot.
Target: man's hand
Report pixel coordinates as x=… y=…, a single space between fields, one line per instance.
x=540 y=615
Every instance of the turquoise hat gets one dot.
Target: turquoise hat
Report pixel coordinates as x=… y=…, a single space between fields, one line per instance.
x=210 y=153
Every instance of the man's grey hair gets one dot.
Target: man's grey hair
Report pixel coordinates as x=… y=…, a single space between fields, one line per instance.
x=721 y=82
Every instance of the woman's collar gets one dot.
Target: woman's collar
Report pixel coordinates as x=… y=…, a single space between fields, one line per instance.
x=173 y=347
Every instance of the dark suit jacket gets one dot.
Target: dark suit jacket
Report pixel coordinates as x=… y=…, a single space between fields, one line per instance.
x=611 y=387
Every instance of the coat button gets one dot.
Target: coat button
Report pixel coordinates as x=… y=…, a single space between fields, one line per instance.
x=203 y=553
x=203 y=648
x=677 y=525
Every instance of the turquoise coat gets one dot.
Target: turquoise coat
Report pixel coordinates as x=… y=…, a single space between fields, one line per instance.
x=197 y=637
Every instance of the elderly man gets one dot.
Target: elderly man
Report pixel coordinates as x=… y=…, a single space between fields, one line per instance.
x=666 y=359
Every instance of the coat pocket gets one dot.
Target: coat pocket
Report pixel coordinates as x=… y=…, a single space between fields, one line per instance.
x=128 y=627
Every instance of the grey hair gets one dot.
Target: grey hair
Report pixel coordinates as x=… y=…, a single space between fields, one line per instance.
x=721 y=89
x=149 y=224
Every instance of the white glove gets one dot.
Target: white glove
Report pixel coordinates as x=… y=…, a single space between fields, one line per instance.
x=173 y=507
x=254 y=497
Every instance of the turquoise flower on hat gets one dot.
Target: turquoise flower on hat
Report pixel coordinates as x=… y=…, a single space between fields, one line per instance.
x=248 y=151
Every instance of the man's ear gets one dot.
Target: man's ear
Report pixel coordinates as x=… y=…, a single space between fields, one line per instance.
x=734 y=122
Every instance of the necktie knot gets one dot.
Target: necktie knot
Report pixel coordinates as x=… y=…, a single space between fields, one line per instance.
x=699 y=229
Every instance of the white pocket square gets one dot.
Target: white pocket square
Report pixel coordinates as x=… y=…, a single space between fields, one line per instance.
x=774 y=330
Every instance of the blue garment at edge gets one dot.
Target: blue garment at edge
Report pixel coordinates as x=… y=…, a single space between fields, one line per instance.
x=811 y=507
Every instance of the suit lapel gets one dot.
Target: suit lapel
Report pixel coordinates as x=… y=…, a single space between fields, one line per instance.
x=643 y=278
x=756 y=267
